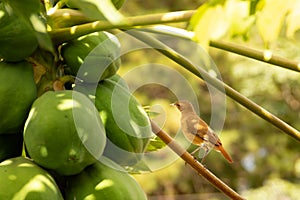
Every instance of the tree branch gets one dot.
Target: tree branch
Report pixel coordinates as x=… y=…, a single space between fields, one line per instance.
x=188 y=158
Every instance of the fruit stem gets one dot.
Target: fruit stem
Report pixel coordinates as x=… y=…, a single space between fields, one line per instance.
x=67 y=79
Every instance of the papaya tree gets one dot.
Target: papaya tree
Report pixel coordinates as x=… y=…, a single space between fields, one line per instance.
x=72 y=122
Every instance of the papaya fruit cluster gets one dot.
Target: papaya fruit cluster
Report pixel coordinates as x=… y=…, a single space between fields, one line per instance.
x=68 y=123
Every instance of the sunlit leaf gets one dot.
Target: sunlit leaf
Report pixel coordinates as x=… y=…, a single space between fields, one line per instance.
x=41 y=33
x=155 y=144
x=238 y=15
x=270 y=19
x=97 y=9
x=209 y=22
x=253 y=4
x=292 y=21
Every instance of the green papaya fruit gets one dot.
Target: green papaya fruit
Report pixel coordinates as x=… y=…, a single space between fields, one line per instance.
x=104 y=180
x=64 y=132
x=119 y=80
x=126 y=123
x=17 y=34
x=10 y=145
x=18 y=91
x=21 y=179
x=92 y=57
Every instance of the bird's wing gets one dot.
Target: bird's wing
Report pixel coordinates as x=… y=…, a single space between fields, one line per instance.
x=207 y=133
x=200 y=133
x=195 y=125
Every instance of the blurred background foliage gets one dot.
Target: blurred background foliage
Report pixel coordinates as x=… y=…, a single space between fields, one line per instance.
x=267 y=162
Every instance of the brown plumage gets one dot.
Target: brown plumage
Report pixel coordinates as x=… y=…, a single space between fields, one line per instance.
x=197 y=131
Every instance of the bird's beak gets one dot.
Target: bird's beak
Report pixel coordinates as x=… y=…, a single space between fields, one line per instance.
x=172 y=104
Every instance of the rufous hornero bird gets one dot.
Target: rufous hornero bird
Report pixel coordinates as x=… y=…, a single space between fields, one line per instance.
x=198 y=132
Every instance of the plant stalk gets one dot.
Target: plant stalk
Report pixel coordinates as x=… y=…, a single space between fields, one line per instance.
x=65 y=34
x=264 y=56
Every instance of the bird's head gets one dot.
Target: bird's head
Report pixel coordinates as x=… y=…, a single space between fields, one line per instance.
x=183 y=105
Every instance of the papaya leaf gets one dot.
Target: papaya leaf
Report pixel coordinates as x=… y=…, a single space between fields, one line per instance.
x=271 y=17
x=292 y=21
x=41 y=33
x=109 y=11
x=97 y=9
x=253 y=4
x=209 y=22
x=88 y=8
x=238 y=15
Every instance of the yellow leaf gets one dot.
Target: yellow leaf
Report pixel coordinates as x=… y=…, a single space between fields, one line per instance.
x=210 y=23
x=270 y=19
x=292 y=21
x=238 y=14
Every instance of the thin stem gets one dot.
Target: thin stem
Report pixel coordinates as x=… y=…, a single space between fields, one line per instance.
x=201 y=73
x=188 y=158
x=264 y=56
x=65 y=34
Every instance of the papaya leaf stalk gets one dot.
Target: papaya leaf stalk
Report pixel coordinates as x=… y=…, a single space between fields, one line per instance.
x=65 y=34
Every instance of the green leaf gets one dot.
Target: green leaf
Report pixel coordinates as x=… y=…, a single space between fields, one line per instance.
x=155 y=144
x=97 y=9
x=253 y=4
x=41 y=33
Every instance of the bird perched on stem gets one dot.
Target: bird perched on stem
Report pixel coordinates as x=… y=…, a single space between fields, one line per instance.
x=197 y=131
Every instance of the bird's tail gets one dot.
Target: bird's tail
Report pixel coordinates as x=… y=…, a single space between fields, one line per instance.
x=224 y=153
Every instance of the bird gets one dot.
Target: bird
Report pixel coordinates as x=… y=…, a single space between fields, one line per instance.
x=198 y=132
